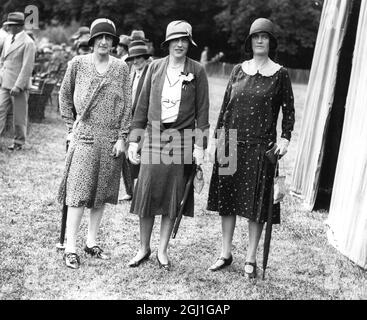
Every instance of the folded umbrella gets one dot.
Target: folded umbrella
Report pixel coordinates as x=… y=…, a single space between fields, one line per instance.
x=64 y=214
x=188 y=186
x=269 y=222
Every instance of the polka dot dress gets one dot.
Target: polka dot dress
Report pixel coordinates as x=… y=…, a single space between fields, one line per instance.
x=251 y=105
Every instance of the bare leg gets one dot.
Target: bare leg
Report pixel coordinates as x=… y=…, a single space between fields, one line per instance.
x=254 y=231
x=95 y=217
x=146 y=227
x=72 y=227
x=228 y=226
x=166 y=230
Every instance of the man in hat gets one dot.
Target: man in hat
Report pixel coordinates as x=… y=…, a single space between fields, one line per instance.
x=123 y=47
x=138 y=55
x=16 y=66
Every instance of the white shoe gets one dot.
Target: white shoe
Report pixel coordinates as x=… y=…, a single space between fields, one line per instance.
x=126 y=197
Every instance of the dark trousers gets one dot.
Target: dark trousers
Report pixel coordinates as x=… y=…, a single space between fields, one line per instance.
x=126 y=175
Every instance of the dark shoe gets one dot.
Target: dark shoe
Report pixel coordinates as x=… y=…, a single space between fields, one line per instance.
x=165 y=266
x=135 y=263
x=15 y=147
x=253 y=273
x=96 y=252
x=226 y=262
x=71 y=260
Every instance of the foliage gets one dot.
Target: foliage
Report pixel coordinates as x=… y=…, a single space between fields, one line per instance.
x=222 y=25
x=296 y=26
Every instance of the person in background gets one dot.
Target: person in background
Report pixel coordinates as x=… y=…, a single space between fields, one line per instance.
x=204 y=56
x=123 y=47
x=98 y=86
x=174 y=97
x=139 y=57
x=3 y=34
x=257 y=89
x=16 y=67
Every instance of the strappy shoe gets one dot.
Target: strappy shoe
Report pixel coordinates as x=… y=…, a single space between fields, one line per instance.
x=165 y=266
x=226 y=262
x=135 y=263
x=71 y=260
x=253 y=273
x=96 y=252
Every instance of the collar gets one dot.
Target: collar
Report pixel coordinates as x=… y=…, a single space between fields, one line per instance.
x=267 y=70
x=17 y=35
x=139 y=72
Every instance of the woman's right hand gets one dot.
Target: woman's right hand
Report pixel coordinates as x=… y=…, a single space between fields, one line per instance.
x=211 y=150
x=133 y=153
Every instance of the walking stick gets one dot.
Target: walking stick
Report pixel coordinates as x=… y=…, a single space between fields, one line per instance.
x=64 y=214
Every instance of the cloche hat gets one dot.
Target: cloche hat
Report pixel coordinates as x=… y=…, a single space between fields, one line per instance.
x=103 y=26
x=261 y=25
x=177 y=29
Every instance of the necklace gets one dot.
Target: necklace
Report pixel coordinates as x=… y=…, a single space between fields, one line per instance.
x=258 y=67
x=176 y=67
x=169 y=81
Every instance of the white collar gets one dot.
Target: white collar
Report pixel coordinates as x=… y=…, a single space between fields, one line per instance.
x=267 y=70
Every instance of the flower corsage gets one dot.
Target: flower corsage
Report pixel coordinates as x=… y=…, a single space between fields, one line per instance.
x=187 y=78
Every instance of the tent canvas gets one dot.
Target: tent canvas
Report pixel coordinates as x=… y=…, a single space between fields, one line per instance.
x=336 y=105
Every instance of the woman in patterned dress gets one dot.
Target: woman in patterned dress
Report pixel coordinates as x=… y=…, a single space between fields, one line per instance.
x=98 y=86
x=257 y=90
x=174 y=99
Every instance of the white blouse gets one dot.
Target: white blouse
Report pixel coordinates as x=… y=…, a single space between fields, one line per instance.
x=171 y=95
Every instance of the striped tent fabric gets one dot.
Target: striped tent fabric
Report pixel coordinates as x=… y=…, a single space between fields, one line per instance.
x=319 y=99
x=347 y=219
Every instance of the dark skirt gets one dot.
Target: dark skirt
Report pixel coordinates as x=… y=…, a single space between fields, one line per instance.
x=245 y=193
x=160 y=186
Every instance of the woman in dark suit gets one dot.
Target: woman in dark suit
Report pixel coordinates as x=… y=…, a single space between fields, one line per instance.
x=174 y=98
x=139 y=57
x=257 y=90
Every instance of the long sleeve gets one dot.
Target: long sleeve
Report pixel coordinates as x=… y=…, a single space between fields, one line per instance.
x=287 y=107
x=126 y=117
x=226 y=98
x=66 y=95
x=202 y=109
x=25 y=73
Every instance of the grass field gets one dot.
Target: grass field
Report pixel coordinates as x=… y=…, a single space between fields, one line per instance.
x=302 y=265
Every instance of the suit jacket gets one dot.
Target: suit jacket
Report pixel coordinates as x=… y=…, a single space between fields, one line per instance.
x=139 y=87
x=194 y=107
x=16 y=63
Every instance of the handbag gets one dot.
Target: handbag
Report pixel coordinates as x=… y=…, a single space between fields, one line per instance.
x=198 y=179
x=280 y=189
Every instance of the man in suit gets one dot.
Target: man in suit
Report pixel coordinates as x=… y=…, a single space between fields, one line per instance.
x=139 y=56
x=16 y=65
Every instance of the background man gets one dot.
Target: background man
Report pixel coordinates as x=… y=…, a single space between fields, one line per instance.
x=16 y=66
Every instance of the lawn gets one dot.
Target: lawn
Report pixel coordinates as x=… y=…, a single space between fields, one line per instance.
x=302 y=265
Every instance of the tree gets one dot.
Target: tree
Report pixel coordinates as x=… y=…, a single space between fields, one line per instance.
x=296 y=26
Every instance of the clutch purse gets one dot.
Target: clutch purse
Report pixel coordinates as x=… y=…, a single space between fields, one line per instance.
x=198 y=180
x=270 y=153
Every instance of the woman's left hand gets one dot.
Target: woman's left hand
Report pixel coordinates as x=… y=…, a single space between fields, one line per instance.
x=282 y=147
x=118 y=148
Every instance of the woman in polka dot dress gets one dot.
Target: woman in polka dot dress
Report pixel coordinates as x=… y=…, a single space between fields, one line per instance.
x=257 y=90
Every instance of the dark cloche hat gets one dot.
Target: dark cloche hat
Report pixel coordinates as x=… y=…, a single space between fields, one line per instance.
x=261 y=25
x=103 y=26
